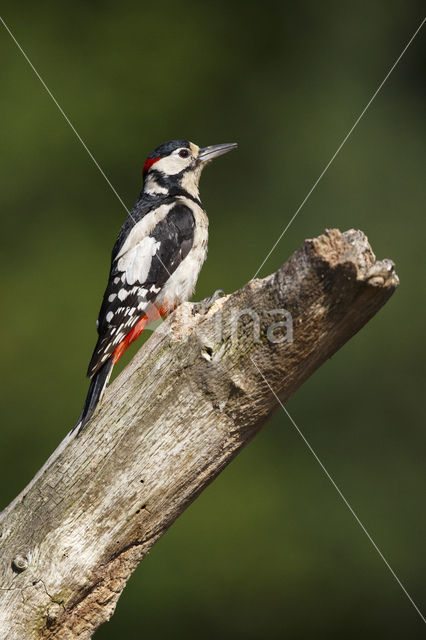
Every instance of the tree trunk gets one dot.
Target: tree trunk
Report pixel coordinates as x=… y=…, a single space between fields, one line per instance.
x=176 y=416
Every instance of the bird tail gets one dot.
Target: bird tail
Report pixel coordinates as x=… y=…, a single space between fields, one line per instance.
x=95 y=393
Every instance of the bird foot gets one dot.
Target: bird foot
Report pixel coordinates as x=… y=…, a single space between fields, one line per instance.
x=203 y=306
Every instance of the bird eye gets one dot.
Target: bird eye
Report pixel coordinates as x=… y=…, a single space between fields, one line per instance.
x=184 y=153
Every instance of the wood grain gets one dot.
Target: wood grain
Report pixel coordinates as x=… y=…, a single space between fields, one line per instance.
x=176 y=416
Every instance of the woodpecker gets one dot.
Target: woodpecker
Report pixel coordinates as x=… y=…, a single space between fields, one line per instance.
x=156 y=259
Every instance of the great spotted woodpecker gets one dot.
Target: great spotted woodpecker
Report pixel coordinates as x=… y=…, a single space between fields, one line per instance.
x=156 y=259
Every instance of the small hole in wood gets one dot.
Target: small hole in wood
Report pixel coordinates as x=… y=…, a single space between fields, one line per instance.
x=51 y=619
x=207 y=353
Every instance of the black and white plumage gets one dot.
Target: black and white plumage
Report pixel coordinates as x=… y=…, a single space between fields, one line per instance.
x=156 y=259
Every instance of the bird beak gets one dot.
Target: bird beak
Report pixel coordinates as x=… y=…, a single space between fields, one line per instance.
x=208 y=153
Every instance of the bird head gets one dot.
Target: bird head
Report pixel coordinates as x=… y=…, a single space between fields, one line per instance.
x=179 y=163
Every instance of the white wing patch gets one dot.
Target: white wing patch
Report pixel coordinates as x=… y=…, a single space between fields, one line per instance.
x=136 y=262
x=144 y=228
x=129 y=295
x=135 y=256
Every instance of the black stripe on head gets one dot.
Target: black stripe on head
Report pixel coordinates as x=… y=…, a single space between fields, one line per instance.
x=168 y=181
x=167 y=148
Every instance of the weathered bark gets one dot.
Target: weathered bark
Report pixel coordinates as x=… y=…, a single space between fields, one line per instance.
x=184 y=407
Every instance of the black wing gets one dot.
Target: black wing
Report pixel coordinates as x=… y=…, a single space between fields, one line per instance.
x=139 y=270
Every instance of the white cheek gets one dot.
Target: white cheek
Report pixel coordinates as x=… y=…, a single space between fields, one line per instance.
x=172 y=164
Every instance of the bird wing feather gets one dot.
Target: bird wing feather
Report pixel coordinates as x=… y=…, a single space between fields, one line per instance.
x=139 y=271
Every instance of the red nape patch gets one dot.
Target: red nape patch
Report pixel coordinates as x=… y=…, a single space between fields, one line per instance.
x=148 y=164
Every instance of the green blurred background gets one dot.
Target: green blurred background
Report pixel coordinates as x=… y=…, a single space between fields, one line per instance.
x=269 y=550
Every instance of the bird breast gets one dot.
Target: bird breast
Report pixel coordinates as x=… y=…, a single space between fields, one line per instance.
x=181 y=284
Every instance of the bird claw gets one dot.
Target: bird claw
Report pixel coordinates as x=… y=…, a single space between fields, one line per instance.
x=203 y=306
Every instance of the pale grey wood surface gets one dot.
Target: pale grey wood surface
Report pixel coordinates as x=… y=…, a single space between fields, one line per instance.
x=188 y=402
